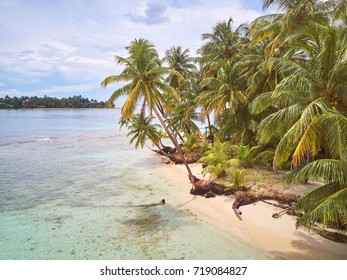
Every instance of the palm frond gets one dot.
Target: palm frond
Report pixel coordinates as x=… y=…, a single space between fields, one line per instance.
x=261 y=103
x=117 y=93
x=276 y=123
x=335 y=132
x=315 y=197
x=331 y=210
x=331 y=170
x=309 y=143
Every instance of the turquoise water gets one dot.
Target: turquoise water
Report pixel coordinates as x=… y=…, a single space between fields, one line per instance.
x=70 y=187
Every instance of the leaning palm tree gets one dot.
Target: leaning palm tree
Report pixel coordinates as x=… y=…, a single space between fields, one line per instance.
x=145 y=74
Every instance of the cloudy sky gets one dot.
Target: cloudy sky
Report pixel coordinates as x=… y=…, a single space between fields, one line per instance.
x=62 y=48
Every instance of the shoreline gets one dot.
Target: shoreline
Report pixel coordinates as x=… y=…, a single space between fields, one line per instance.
x=277 y=237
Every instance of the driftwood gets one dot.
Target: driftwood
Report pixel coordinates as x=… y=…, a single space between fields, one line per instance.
x=279 y=214
x=161 y=202
x=275 y=204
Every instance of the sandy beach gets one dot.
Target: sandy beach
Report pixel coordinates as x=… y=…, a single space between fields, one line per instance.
x=279 y=236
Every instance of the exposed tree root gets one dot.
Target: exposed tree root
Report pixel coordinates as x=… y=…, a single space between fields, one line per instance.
x=202 y=187
x=176 y=157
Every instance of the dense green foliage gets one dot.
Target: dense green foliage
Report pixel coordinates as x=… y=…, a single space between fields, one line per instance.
x=49 y=102
x=276 y=89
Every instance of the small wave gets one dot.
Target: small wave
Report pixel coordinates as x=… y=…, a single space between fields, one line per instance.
x=5 y=144
x=43 y=139
x=25 y=141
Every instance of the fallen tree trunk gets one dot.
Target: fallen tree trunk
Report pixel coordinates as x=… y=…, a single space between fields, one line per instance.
x=178 y=159
x=242 y=198
x=245 y=198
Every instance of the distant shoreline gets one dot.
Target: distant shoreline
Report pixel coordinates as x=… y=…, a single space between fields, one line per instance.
x=58 y=108
x=26 y=102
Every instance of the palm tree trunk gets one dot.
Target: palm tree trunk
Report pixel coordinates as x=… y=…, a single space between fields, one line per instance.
x=210 y=128
x=177 y=146
x=180 y=136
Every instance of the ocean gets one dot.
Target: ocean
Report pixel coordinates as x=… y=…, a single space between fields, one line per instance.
x=72 y=187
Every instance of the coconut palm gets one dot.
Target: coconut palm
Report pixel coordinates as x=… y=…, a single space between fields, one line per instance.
x=217 y=159
x=220 y=43
x=327 y=204
x=306 y=93
x=238 y=127
x=295 y=15
x=182 y=65
x=141 y=129
x=185 y=117
x=182 y=78
x=339 y=10
x=145 y=74
x=245 y=155
x=221 y=92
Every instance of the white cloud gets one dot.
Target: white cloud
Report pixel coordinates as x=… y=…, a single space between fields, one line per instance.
x=73 y=89
x=74 y=41
x=86 y=60
x=9 y=92
x=154 y=13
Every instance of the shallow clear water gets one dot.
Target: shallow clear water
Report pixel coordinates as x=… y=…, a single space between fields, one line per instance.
x=71 y=187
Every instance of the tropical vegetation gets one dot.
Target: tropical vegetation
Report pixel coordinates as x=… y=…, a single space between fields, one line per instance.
x=76 y=101
x=276 y=89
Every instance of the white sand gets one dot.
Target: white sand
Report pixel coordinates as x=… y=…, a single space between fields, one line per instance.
x=277 y=236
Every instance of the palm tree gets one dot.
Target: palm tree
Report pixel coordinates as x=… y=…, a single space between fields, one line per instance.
x=217 y=159
x=221 y=42
x=245 y=155
x=221 y=92
x=182 y=78
x=223 y=89
x=296 y=15
x=327 y=204
x=143 y=71
x=141 y=129
x=182 y=66
x=339 y=10
x=316 y=81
